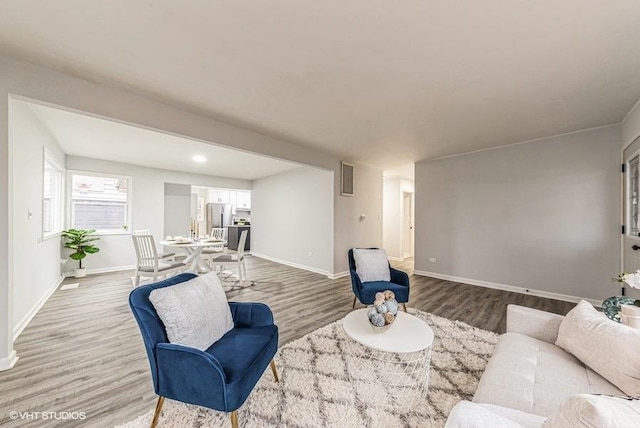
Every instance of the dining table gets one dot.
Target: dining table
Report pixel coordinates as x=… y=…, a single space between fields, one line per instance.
x=193 y=249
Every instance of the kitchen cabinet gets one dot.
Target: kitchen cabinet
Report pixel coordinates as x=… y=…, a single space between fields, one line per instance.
x=233 y=236
x=218 y=196
x=243 y=200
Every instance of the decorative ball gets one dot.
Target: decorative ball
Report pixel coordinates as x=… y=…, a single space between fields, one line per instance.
x=392 y=307
x=377 y=320
x=382 y=309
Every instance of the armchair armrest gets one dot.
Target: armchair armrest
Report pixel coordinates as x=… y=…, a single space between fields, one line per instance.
x=533 y=322
x=181 y=367
x=247 y=315
x=399 y=277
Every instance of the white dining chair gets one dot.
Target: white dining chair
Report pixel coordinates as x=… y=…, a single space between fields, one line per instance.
x=234 y=259
x=162 y=255
x=148 y=263
x=214 y=251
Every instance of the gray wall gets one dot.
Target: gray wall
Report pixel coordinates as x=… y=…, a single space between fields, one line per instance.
x=292 y=218
x=543 y=215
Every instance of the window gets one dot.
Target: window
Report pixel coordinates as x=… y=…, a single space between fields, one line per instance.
x=632 y=201
x=100 y=202
x=52 y=182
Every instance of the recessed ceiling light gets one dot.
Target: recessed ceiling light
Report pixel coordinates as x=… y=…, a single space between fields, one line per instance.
x=199 y=158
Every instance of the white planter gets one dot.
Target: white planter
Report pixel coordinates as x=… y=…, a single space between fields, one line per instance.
x=80 y=273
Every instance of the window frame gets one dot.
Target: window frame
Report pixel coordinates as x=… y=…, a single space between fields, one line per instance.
x=47 y=157
x=101 y=232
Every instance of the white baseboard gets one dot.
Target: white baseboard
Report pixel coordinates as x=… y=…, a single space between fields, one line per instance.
x=292 y=264
x=103 y=270
x=7 y=363
x=513 y=288
x=338 y=275
x=34 y=310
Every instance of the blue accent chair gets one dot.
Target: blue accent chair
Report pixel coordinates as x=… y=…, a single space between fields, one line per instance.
x=221 y=377
x=365 y=292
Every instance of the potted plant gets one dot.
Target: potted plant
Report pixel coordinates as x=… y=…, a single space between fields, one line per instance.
x=79 y=241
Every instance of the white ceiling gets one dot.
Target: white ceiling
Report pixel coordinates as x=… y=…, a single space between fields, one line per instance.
x=87 y=136
x=374 y=81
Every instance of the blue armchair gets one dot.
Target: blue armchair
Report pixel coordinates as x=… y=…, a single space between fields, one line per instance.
x=365 y=292
x=222 y=376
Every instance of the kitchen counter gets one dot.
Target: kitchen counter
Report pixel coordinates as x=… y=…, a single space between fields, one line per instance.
x=239 y=225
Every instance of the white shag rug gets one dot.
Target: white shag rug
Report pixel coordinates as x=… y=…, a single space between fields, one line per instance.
x=315 y=388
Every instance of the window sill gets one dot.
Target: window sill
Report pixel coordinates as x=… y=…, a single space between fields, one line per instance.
x=111 y=232
x=51 y=235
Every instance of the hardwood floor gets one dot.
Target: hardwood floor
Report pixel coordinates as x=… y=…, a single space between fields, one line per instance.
x=83 y=351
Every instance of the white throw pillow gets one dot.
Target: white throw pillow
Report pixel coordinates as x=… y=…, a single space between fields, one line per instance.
x=372 y=265
x=600 y=411
x=195 y=313
x=609 y=348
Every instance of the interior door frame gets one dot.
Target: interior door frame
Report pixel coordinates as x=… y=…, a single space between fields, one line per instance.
x=411 y=242
x=624 y=186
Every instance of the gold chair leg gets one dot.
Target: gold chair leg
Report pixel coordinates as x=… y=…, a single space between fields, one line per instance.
x=234 y=419
x=156 y=415
x=273 y=369
x=354 y=303
x=404 y=307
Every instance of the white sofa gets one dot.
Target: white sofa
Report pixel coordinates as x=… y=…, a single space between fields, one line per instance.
x=528 y=377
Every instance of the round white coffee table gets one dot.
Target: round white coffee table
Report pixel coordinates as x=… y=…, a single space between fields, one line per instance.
x=389 y=368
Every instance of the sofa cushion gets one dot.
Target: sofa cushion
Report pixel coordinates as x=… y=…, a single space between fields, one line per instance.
x=610 y=348
x=473 y=415
x=533 y=376
x=372 y=264
x=600 y=411
x=195 y=313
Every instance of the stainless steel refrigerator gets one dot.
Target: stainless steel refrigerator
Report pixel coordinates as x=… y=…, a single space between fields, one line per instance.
x=218 y=215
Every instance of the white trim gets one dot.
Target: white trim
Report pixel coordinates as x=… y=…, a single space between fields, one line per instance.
x=396 y=259
x=512 y=288
x=17 y=329
x=102 y=270
x=518 y=143
x=7 y=363
x=338 y=275
x=287 y=263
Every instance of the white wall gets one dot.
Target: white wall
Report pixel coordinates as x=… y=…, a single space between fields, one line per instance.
x=349 y=230
x=543 y=215
x=393 y=189
x=292 y=218
x=148 y=200
x=631 y=125
x=35 y=263
x=21 y=79
x=177 y=209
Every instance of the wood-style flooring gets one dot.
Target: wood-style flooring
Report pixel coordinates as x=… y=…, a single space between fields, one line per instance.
x=83 y=351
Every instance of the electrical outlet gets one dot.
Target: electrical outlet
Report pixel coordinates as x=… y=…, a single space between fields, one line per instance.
x=432 y=260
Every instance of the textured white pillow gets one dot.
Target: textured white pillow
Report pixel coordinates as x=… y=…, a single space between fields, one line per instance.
x=372 y=265
x=609 y=348
x=600 y=411
x=195 y=313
